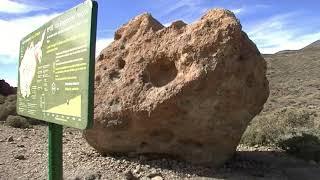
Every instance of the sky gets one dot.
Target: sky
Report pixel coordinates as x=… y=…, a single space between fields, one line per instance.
x=274 y=25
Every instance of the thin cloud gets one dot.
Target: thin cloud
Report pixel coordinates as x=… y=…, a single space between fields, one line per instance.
x=249 y=9
x=8 y=6
x=12 y=31
x=280 y=32
x=186 y=10
x=237 y=11
x=167 y=24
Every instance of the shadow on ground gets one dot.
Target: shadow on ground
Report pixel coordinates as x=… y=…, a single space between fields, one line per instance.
x=306 y=146
x=244 y=165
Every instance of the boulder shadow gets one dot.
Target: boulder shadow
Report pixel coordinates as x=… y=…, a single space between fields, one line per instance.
x=243 y=165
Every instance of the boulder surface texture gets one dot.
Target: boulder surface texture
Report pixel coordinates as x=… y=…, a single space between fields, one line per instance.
x=187 y=91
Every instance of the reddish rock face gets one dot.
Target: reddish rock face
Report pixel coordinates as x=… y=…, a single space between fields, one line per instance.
x=187 y=91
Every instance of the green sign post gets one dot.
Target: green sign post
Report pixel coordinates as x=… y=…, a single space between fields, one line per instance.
x=56 y=76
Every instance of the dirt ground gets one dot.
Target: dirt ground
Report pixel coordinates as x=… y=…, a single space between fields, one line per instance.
x=23 y=155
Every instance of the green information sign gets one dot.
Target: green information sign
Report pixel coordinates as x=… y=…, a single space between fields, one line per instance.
x=56 y=69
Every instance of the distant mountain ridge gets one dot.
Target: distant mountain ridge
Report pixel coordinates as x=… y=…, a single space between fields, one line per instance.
x=313 y=46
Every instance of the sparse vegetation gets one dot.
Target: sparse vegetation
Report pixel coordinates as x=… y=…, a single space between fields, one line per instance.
x=2 y=99
x=277 y=126
x=290 y=118
x=7 y=107
x=6 y=110
x=17 y=122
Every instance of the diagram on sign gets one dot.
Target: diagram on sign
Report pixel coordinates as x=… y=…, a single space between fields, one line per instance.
x=71 y=108
x=28 y=65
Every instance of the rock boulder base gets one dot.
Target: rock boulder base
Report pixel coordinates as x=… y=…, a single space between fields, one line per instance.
x=187 y=91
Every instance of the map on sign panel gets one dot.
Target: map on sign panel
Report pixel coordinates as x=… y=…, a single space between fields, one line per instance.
x=56 y=69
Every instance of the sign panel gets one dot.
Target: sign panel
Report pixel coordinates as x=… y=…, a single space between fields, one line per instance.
x=56 y=69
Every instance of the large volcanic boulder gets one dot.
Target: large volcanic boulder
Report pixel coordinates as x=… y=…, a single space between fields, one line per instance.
x=187 y=91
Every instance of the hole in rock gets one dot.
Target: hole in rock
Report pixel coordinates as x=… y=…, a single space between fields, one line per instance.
x=98 y=78
x=143 y=144
x=101 y=57
x=241 y=58
x=114 y=75
x=121 y=63
x=161 y=72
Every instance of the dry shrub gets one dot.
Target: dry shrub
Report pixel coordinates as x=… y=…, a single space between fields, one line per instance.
x=17 y=122
x=273 y=127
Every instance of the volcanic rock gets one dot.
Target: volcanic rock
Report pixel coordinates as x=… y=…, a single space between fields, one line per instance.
x=6 y=89
x=187 y=91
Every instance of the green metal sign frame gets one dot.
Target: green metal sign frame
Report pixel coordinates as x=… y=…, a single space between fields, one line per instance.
x=56 y=69
x=27 y=95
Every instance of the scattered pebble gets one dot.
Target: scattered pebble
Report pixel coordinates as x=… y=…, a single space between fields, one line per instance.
x=20 y=146
x=137 y=169
x=129 y=176
x=10 y=139
x=313 y=162
x=154 y=174
x=75 y=178
x=69 y=153
x=20 y=157
x=157 y=178
x=144 y=178
x=94 y=176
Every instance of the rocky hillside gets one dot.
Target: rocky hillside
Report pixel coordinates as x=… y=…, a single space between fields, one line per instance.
x=294 y=78
x=6 y=89
x=293 y=107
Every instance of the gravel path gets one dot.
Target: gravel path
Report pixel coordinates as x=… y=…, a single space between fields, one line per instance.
x=23 y=155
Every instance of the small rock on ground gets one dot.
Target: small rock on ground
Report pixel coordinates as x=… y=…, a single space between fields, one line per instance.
x=20 y=157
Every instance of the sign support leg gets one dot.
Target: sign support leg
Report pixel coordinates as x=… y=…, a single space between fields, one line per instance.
x=55 y=152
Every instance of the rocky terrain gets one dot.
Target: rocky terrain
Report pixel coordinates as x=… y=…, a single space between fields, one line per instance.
x=23 y=155
x=282 y=142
